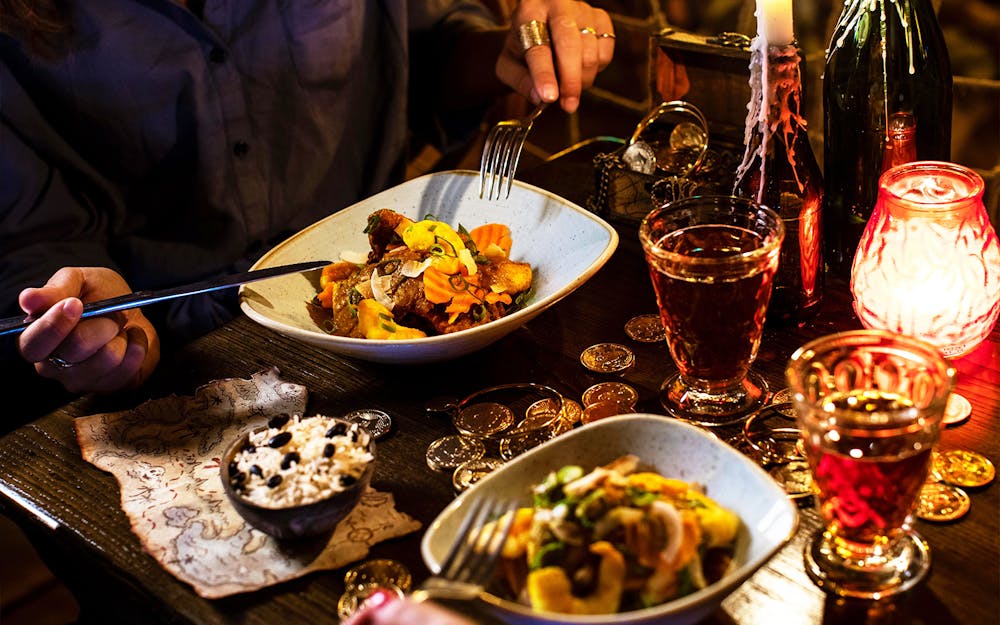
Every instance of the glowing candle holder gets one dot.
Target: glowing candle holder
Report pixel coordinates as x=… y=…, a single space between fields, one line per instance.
x=928 y=263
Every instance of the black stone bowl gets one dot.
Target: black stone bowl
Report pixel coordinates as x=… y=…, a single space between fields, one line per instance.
x=309 y=520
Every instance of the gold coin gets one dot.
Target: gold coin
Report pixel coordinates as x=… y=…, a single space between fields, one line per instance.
x=517 y=443
x=379 y=572
x=448 y=452
x=377 y=422
x=542 y=413
x=353 y=598
x=795 y=477
x=603 y=410
x=645 y=329
x=957 y=410
x=468 y=473
x=572 y=412
x=963 y=468
x=941 y=502
x=611 y=391
x=607 y=358
x=483 y=419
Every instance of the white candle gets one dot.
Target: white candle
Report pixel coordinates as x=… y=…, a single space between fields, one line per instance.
x=774 y=22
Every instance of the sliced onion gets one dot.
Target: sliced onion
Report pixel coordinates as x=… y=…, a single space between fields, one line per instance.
x=358 y=258
x=465 y=256
x=379 y=284
x=413 y=268
x=674 y=526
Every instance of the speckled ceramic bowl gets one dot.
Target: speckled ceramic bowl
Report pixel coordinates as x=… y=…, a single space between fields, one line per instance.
x=564 y=243
x=309 y=520
x=672 y=448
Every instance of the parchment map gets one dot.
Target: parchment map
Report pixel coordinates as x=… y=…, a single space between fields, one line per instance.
x=165 y=455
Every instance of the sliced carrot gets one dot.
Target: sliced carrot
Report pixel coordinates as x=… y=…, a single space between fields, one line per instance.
x=441 y=288
x=492 y=298
x=325 y=296
x=462 y=302
x=495 y=234
x=437 y=288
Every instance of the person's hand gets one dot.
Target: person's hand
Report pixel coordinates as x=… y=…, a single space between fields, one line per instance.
x=582 y=44
x=101 y=354
x=384 y=608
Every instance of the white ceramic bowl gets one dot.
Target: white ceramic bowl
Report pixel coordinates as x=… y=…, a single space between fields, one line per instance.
x=674 y=449
x=564 y=244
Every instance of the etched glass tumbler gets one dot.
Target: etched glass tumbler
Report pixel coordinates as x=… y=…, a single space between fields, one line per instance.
x=712 y=261
x=869 y=405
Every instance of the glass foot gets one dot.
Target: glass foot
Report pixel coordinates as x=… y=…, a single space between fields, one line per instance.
x=713 y=409
x=898 y=570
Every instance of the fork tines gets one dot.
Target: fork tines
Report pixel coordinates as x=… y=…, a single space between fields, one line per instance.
x=478 y=542
x=502 y=153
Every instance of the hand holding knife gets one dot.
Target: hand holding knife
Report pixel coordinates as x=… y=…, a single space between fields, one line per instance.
x=15 y=325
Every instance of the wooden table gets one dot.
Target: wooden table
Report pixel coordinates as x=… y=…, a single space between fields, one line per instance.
x=71 y=509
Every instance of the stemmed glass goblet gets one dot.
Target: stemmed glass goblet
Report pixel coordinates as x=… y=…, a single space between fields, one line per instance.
x=869 y=404
x=712 y=260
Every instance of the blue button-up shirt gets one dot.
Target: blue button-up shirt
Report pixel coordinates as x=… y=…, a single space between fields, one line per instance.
x=171 y=146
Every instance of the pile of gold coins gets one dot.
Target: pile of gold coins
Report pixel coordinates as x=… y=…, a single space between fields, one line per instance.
x=499 y=423
x=942 y=498
x=377 y=574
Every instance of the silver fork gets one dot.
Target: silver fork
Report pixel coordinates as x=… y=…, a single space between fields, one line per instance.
x=469 y=564
x=501 y=153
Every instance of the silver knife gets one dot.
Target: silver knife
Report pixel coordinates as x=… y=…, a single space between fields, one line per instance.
x=14 y=325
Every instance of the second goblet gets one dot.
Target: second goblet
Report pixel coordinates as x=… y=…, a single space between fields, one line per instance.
x=712 y=260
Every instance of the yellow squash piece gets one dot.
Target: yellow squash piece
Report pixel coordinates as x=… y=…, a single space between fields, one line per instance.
x=376 y=322
x=549 y=588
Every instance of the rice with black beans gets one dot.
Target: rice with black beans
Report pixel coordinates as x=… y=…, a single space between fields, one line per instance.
x=298 y=460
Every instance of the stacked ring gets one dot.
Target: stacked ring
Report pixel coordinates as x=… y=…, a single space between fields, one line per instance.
x=607 y=35
x=59 y=362
x=588 y=30
x=533 y=33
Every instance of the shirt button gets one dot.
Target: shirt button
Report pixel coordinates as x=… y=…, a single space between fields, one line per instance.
x=217 y=55
x=240 y=148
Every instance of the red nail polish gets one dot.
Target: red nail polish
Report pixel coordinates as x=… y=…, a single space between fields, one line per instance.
x=379 y=598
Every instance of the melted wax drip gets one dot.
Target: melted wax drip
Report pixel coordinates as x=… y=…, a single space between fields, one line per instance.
x=775 y=91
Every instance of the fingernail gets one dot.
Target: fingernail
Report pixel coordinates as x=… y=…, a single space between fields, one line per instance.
x=570 y=104
x=549 y=93
x=72 y=307
x=379 y=598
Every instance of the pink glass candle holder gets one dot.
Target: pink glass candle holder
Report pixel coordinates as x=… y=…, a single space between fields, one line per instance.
x=928 y=264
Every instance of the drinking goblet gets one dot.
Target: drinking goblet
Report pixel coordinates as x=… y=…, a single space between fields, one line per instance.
x=869 y=404
x=712 y=260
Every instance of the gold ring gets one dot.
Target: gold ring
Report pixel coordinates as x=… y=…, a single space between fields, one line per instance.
x=533 y=33
x=607 y=35
x=59 y=362
x=588 y=30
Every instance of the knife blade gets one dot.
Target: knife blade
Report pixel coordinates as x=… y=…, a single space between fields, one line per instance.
x=14 y=325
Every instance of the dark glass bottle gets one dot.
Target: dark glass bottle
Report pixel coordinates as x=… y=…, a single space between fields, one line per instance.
x=885 y=57
x=780 y=171
x=901 y=141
